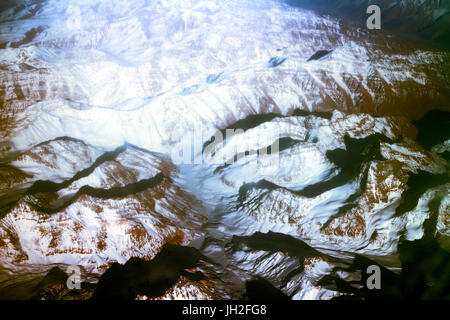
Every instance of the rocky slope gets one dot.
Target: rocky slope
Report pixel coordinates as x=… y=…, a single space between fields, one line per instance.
x=419 y=20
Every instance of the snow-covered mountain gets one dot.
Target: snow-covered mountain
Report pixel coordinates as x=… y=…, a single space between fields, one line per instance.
x=327 y=170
